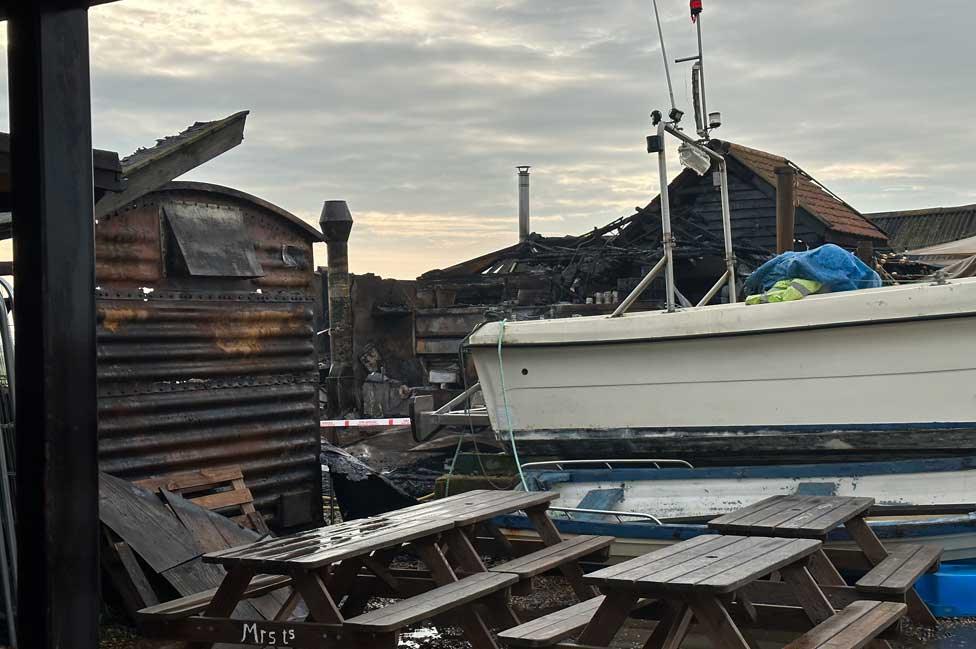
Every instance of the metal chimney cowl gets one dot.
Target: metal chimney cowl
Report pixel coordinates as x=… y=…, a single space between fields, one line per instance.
x=335 y=221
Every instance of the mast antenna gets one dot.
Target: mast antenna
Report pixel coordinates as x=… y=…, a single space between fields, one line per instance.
x=675 y=114
x=710 y=121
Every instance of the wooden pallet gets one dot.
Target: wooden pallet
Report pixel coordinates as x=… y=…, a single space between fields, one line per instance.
x=217 y=489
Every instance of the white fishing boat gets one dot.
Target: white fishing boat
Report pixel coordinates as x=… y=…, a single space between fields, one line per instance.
x=887 y=371
x=872 y=373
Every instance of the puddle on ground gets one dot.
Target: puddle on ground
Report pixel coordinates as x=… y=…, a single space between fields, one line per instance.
x=419 y=638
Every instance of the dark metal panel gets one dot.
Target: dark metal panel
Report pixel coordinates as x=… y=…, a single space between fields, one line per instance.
x=212 y=240
x=192 y=380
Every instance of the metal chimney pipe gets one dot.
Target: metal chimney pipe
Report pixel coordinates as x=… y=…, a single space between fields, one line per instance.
x=525 y=228
x=336 y=223
x=785 y=208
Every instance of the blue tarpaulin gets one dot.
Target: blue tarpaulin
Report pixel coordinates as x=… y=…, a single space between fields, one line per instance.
x=832 y=266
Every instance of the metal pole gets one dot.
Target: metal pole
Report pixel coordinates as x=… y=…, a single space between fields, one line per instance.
x=716 y=287
x=701 y=61
x=664 y=53
x=727 y=228
x=662 y=163
x=636 y=293
x=8 y=341
x=525 y=227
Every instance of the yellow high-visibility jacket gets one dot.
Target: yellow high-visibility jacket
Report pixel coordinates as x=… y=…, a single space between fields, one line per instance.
x=786 y=290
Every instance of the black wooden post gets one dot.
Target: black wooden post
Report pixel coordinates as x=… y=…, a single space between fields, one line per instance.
x=51 y=177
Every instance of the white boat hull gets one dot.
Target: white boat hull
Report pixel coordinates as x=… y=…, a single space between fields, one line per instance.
x=864 y=371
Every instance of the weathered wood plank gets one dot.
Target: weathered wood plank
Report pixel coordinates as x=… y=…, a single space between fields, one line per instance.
x=550 y=629
x=189 y=481
x=608 y=619
x=442 y=599
x=708 y=541
x=205 y=534
x=719 y=625
x=852 y=508
x=808 y=593
x=853 y=628
x=197 y=602
x=139 y=518
x=554 y=556
x=899 y=571
x=876 y=553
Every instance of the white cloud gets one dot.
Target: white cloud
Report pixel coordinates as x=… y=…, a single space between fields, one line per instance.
x=416 y=111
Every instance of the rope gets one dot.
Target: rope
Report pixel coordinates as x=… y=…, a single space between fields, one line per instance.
x=457 y=452
x=508 y=412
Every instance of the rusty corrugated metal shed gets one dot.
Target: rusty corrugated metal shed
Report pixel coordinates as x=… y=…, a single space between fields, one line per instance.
x=203 y=371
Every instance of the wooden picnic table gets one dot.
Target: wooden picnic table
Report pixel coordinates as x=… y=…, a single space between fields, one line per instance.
x=892 y=574
x=703 y=579
x=334 y=570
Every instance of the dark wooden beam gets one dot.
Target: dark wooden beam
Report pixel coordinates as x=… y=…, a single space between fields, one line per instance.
x=53 y=223
x=165 y=162
x=7 y=6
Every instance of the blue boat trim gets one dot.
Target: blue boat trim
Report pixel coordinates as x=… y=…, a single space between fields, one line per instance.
x=798 y=471
x=680 y=532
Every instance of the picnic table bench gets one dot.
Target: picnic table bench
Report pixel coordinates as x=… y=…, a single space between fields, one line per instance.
x=335 y=570
x=704 y=580
x=891 y=575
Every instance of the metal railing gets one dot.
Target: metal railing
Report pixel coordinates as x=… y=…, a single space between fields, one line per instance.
x=559 y=464
x=606 y=512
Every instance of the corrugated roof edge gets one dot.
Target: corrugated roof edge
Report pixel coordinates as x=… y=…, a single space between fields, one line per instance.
x=925 y=211
x=313 y=233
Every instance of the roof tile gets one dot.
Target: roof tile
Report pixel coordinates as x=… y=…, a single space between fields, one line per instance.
x=812 y=196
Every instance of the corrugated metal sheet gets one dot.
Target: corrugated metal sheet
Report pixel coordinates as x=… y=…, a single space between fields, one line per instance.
x=921 y=228
x=199 y=372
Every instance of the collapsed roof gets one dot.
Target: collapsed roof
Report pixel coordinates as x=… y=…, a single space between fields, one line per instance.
x=637 y=238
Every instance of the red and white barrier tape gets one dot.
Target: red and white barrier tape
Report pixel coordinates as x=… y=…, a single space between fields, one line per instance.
x=363 y=423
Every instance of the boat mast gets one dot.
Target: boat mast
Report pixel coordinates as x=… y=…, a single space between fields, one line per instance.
x=656 y=144
x=664 y=53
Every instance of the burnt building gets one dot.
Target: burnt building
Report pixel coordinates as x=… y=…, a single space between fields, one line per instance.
x=547 y=277
x=205 y=335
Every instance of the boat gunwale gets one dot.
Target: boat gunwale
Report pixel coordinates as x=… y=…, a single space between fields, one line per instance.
x=940 y=526
x=769 y=330
x=838 y=469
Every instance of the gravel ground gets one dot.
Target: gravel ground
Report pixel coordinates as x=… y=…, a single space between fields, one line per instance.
x=552 y=593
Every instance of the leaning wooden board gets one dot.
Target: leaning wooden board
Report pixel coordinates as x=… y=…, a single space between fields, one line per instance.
x=172 y=540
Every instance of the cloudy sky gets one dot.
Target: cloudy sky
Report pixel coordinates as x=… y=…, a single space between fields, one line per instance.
x=417 y=111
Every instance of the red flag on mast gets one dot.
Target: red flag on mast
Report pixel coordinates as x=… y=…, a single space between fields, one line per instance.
x=696 y=8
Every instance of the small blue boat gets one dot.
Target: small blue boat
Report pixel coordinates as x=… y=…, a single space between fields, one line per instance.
x=650 y=504
x=647 y=504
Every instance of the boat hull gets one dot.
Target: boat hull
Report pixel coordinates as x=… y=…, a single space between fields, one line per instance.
x=855 y=390
x=673 y=495
x=690 y=493
x=955 y=534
